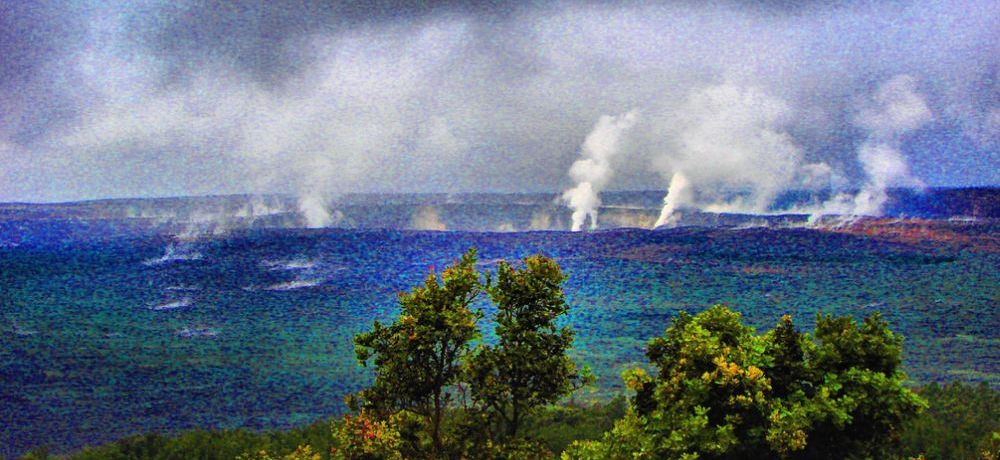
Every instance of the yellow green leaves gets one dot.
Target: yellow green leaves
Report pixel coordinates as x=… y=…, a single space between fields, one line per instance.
x=636 y=378
x=722 y=391
x=364 y=437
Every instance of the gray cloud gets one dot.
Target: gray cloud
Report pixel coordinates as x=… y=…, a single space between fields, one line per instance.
x=319 y=99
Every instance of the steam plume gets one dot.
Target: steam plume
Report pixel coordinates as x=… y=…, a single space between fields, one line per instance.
x=592 y=172
x=313 y=208
x=893 y=111
x=732 y=153
x=427 y=218
x=540 y=220
x=678 y=195
x=897 y=108
x=131 y=100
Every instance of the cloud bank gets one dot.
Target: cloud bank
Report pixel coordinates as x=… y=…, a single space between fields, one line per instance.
x=316 y=99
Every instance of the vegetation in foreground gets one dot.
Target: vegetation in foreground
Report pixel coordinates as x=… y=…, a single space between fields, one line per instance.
x=715 y=390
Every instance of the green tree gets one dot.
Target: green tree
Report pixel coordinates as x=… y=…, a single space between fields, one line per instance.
x=787 y=367
x=419 y=358
x=721 y=391
x=528 y=367
x=959 y=423
x=860 y=403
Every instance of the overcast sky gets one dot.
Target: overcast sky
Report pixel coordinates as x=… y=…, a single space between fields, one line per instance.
x=149 y=98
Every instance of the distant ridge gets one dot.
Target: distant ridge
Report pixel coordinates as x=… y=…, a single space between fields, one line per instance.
x=487 y=212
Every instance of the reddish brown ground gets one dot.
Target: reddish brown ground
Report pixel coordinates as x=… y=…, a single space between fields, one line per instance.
x=652 y=252
x=960 y=235
x=750 y=270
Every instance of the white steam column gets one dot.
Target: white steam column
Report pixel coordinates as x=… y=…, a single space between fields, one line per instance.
x=679 y=194
x=312 y=207
x=593 y=171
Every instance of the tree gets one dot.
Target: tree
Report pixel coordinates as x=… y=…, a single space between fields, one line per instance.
x=721 y=391
x=528 y=367
x=860 y=403
x=787 y=368
x=960 y=422
x=418 y=358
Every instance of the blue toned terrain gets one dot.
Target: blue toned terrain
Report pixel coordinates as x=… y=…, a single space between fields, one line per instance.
x=112 y=325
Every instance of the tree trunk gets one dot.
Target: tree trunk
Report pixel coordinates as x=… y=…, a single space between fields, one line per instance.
x=514 y=422
x=436 y=425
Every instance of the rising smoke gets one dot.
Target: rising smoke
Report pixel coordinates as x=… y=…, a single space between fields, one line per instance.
x=678 y=195
x=427 y=218
x=895 y=110
x=732 y=153
x=540 y=220
x=314 y=210
x=593 y=172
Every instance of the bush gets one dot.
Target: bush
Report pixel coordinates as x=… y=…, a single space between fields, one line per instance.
x=721 y=391
x=361 y=437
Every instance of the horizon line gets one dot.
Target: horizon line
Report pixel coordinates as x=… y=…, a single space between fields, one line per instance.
x=288 y=195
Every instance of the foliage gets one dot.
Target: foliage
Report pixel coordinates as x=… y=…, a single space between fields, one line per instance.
x=955 y=426
x=423 y=360
x=958 y=424
x=517 y=449
x=990 y=449
x=362 y=437
x=859 y=402
x=210 y=445
x=557 y=426
x=722 y=391
x=300 y=453
x=529 y=367
x=419 y=357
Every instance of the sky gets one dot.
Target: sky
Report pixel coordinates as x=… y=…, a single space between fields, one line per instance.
x=320 y=98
